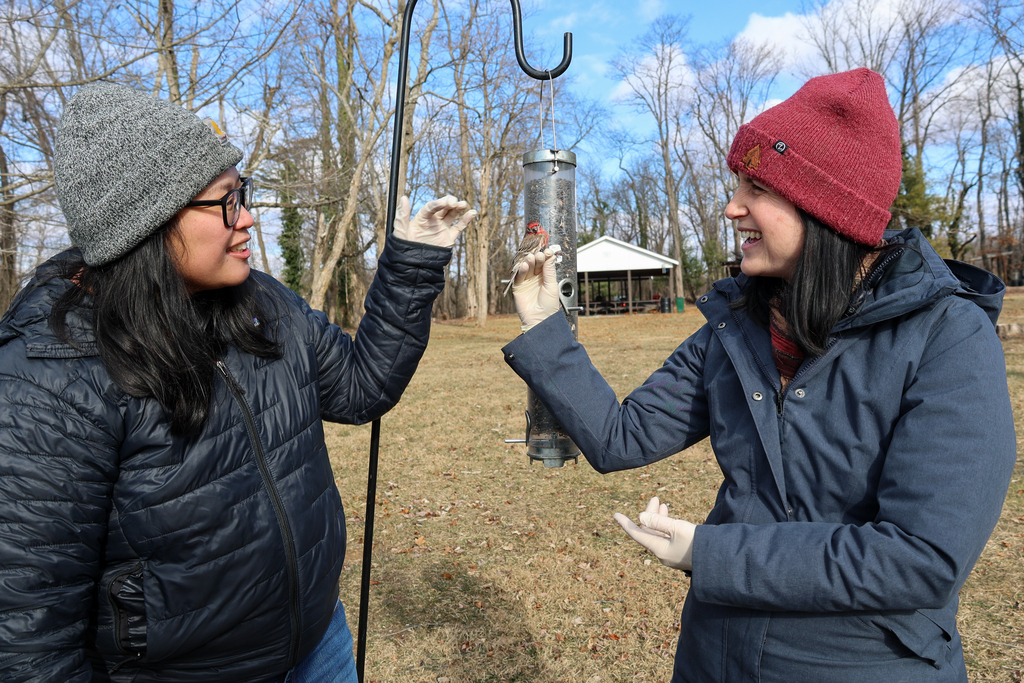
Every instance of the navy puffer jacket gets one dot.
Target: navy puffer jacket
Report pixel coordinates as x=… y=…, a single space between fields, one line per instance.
x=129 y=555
x=854 y=502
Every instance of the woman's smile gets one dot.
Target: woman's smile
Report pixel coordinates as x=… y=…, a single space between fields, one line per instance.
x=750 y=237
x=240 y=250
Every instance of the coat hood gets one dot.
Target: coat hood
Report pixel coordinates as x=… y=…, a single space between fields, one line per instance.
x=29 y=315
x=920 y=277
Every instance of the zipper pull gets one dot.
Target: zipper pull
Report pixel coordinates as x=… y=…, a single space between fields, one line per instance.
x=229 y=378
x=779 y=398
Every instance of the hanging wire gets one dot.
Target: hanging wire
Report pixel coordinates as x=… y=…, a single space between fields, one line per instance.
x=551 y=86
x=541 y=113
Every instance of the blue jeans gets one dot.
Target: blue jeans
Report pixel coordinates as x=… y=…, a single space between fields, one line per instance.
x=331 y=661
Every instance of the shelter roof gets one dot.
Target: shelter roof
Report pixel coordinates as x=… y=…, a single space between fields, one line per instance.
x=609 y=255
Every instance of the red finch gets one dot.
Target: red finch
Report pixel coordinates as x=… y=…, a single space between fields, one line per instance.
x=536 y=239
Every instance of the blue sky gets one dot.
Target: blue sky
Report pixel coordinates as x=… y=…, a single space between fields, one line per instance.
x=601 y=28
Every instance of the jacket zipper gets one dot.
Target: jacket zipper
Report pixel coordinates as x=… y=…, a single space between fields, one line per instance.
x=122 y=624
x=275 y=498
x=780 y=398
x=121 y=638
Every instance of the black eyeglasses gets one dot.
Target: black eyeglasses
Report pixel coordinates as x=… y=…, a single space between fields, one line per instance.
x=231 y=203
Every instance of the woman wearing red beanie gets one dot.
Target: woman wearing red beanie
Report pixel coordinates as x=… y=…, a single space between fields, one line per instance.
x=854 y=392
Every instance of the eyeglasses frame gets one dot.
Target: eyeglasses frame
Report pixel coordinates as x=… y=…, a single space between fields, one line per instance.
x=244 y=200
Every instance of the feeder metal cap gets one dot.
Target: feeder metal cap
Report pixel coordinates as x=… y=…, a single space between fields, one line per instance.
x=542 y=155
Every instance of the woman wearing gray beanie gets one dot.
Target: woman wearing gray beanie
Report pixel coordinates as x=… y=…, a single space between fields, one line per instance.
x=167 y=508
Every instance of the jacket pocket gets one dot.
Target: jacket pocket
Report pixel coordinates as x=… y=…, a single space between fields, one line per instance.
x=920 y=634
x=128 y=604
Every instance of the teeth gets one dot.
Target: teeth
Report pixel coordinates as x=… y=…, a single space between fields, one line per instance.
x=749 y=235
x=240 y=247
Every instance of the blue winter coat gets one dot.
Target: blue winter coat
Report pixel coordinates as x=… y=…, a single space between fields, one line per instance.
x=854 y=503
x=213 y=558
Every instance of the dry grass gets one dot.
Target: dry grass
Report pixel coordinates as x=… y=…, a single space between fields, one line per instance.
x=490 y=568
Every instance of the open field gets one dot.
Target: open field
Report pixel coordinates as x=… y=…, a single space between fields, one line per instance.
x=489 y=568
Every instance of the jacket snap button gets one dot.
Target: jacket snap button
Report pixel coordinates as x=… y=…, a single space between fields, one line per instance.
x=704 y=299
x=757 y=396
x=799 y=393
x=721 y=325
x=511 y=356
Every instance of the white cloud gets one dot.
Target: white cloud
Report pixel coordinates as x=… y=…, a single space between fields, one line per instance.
x=857 y=31
x=566 y=22
x=650 y=9
x=786 y=34
x=649 y=71
x=590 y=72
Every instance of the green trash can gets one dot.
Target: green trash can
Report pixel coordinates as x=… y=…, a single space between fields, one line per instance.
x=680 y=304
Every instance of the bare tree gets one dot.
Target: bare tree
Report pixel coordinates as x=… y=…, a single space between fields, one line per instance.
x=336 y=129
x=983 y=103
x=852 y=34
x=655 y=73
x=1004 y=21
x=732 y=83
x=491 y=106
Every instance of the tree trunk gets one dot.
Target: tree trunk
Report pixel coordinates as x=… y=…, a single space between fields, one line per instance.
x=167 y=57
x=673 y=216
x=8 y=239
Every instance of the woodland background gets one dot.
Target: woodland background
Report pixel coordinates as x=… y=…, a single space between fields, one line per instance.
x=307 y=90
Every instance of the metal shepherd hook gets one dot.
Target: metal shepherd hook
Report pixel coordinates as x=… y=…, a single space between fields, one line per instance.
x=396 y=156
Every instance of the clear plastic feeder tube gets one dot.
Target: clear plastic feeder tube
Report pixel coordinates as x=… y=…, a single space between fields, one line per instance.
x=550 y=199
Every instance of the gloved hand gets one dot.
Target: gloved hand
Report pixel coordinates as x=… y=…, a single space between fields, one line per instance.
x=534 y=288
x=671 y=540
x=435 y=223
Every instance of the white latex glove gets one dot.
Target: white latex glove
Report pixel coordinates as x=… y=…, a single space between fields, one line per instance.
x=435 y=223
x=534 y=288
x=671 y=540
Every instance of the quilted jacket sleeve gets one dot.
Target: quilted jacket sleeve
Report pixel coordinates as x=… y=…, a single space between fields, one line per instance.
x=942 y=486
x=667 y=413
x=361 y=378
x=57 y=468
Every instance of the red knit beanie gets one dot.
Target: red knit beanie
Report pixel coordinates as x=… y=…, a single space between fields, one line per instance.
x=833 y=149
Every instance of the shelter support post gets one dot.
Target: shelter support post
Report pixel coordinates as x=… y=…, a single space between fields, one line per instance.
x=629 y=289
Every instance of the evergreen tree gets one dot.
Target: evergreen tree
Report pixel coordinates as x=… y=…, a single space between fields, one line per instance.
x=291 y=248
x=913 y=206
x=290 y=242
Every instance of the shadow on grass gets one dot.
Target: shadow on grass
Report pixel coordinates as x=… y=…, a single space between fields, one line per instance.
x=476 y=633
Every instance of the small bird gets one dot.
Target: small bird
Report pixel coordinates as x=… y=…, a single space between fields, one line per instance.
x=536 y=239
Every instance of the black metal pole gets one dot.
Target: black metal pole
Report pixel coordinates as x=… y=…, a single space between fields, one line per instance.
x=371 y=479
x=396 y=161
x=364 y=587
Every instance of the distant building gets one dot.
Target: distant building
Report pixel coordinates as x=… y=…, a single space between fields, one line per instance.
x=618 y=277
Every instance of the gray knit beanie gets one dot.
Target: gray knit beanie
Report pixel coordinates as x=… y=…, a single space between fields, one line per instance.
x=126 y=162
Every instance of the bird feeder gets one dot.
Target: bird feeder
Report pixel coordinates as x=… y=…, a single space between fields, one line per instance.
x=550 y=188
x=392 y=206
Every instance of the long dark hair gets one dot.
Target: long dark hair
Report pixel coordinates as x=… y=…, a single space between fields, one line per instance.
x=156 y=340
x=820 y=292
